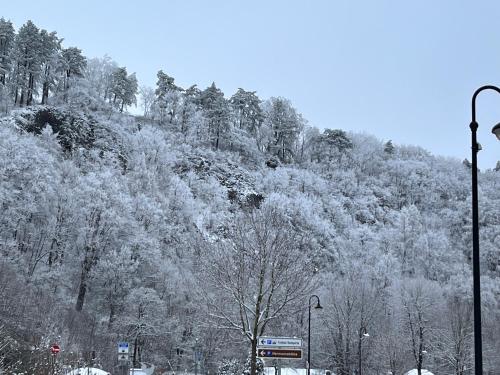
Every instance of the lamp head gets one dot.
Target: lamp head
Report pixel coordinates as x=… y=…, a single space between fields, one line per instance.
x=318 y=306
x=496 y=130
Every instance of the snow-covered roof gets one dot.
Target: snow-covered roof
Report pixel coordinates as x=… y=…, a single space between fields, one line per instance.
x=88 y=371
x=415 y=372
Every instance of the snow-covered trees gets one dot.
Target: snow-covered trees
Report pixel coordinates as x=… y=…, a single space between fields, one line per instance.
x=352 y=312
x=452 y=346
x=123 y=88
x=99 y=210
x=71 y=65
x=147 y=95
x=330 y=146
x=216 y=111
x=248 y=114
x=285 y=124
x=34 y=66
x=7 y=36
x=167 y=97
x=99 y=74
x=418 y=298
x=50 y=56
x=27 y=53
x=106 y=217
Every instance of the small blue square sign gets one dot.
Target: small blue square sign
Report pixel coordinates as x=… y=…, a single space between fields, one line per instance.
x=123 y=347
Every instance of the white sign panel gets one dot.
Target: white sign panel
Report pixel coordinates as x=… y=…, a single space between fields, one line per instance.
x=123 y=347
x=279 y=342
x=123 y=357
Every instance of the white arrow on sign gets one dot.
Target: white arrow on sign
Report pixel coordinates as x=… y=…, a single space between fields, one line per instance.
x=279 y=342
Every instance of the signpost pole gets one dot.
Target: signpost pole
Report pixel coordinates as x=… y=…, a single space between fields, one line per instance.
x=123 y=358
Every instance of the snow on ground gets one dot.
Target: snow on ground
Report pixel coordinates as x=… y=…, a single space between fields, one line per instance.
x=299 y=371
x=415 y=372
x=88 y=371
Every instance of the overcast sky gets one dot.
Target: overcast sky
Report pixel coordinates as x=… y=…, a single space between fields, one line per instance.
x=400 y=70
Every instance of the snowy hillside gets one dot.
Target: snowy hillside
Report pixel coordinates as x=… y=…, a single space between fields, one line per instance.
x=210 y=221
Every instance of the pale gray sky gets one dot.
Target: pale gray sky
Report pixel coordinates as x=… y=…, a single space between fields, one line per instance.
x=400 y=70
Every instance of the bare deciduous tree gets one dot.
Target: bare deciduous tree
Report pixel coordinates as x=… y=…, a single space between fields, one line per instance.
x=352 y=308
x=259 y=276
x=453 y=344
x=419 y=298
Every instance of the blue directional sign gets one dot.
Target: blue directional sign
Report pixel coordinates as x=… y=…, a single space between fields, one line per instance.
x=279 y=342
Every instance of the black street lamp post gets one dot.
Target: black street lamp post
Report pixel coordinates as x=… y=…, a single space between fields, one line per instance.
x=478 y=350
x=362 y=334
x=318 y=306
x=197 y=356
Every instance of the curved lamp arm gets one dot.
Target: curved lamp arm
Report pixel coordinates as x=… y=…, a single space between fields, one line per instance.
x=474 y=96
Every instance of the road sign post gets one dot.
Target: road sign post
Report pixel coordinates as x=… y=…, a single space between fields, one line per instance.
x=123 y=357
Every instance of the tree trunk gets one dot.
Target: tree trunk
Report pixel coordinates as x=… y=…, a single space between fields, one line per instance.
x=45 y=92
x=21 y=99
x=134 y=359
x=253 y=357
x=81 y=292
x=112 y=315
x=31 y=87
x=82 y=289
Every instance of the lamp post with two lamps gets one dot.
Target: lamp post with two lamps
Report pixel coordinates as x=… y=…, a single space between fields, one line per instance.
x=478 y=350
x=318 y=306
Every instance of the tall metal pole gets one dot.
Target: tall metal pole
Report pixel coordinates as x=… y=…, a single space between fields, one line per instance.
x=476 y=275
x=318 y=306
x=360 y=348
x=309 y=340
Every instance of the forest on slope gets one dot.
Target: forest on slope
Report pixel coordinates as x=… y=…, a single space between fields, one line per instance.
x=210 y=220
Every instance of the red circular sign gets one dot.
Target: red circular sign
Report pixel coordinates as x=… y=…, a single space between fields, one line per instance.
x=54 y=348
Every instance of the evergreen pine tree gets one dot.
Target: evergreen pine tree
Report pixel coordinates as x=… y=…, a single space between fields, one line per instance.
x=72 y=64
x=124 y=88
x=247 y=111
x=389 y=147
x=216 y=110
x=7 y=36
x=166 y=96
x=27 y=54
x=51 y=46
x=286 y=125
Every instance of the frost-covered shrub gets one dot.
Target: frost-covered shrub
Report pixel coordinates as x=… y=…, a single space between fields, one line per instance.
x=229 y=367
